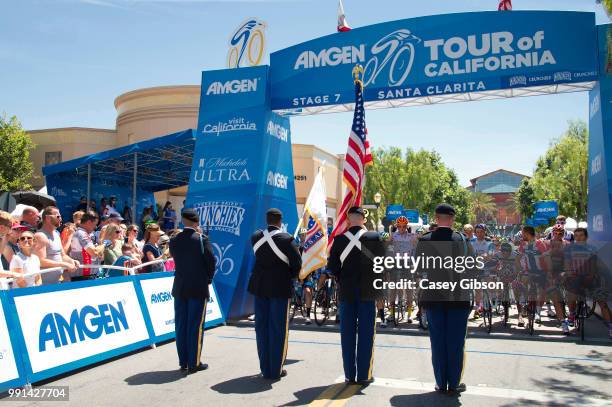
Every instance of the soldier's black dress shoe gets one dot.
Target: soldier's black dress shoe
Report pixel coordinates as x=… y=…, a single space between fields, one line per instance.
x=203 y=366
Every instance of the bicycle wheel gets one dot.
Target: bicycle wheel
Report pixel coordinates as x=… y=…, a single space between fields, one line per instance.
x=531 y=317
x=292 y=307
x=506 y=305
x=399 y=313
x=581 y=316
x=321 y=306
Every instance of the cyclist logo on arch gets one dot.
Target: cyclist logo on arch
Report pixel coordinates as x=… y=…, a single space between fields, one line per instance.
x=394 y=54
x=247 y=44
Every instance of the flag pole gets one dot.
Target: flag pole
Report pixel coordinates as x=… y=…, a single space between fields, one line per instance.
x=307 y=203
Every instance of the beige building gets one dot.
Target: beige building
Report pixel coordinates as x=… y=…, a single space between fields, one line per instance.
x=153 y=112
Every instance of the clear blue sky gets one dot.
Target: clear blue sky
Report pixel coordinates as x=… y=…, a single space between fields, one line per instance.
x=62 y=63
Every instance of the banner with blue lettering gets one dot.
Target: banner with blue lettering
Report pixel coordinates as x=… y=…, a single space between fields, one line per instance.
x=11 y=371
x=438 y=55
x=394 y=211
x=231 y=188
x=412 y=215
x=68 y=191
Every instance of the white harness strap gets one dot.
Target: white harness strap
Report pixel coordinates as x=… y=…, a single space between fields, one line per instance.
x=353 y=242
x=267 y=238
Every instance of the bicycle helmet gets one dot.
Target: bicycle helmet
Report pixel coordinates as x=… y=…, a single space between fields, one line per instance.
x=402 y=220
x=481 y=226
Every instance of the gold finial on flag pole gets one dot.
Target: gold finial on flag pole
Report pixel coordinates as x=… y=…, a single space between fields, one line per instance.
x=358 y=74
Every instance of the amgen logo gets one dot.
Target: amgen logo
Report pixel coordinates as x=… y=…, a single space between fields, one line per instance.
x=234 y=86
x=88 y=322
x=277 y=180
x=278 y=131
x=161 y=297
x=598 y=223
x=596 y=164
x=594 y=107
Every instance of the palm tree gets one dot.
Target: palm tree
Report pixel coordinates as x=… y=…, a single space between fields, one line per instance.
x=483 y=206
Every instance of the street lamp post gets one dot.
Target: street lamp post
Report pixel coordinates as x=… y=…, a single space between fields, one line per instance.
x=377 y=199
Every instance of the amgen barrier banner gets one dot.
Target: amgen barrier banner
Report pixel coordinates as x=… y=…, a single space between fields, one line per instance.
x=68 y=328
x=157 y=291
x=436 y=55
x=9 y=375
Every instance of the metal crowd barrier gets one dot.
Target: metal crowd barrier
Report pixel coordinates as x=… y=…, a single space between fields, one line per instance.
x=6 y=281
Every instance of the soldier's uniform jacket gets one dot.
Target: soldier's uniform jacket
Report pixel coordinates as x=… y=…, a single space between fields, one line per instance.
x=355 y=275
x=444 y=242
x=194 y=262
x=271 y=276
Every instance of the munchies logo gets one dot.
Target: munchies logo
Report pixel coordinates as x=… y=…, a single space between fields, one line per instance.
x=223 y=216
x=88 y=322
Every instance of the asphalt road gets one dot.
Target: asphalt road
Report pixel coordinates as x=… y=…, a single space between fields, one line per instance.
x=499 y=372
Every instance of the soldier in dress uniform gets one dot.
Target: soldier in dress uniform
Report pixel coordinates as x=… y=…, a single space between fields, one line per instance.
x=447 y=310
x=351 y=262
x=195 y=267
x=277 y=263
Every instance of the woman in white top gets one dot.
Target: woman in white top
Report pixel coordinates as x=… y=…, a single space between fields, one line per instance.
x=25 y=262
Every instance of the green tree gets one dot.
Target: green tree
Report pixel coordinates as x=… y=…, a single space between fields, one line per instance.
x=561 y=174
x=524 y=198
x=15 y=165
x=483 y=207
x=416 y=179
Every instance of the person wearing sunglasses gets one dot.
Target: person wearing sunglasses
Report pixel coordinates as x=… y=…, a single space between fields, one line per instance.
x=25 y=262
x=113 y=240
x=568 y=235
x=48 y=247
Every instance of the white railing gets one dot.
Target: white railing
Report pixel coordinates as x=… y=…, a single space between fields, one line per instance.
x=6 y=281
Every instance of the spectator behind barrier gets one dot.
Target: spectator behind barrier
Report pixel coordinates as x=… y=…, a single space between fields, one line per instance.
x=151 y=249
x=83 y=248
x=6 y=223
x=48 y=248
x=132 y=238
x=112 y=240
x=26 y=262
x=30 y=218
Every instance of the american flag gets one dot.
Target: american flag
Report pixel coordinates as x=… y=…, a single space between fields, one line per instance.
x=504 y=5
x=358 y=156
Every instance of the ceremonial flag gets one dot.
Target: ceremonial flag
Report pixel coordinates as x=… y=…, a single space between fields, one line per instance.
x=314 y=255
x=342 y=23
x=358 y=156
x=504 y=5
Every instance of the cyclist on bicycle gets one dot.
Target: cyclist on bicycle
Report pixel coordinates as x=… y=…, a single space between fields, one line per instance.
x=556 y=251
x=534 y=265
x=581 y=276
x=507 y=270
x=404 y=242
x=485 y=249
x=307 y=283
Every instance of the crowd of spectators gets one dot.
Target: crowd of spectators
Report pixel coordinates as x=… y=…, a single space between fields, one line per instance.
x=38 y=241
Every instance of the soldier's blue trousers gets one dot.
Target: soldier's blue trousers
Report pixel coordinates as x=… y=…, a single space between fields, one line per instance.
x=189 y=317
x=272 y=334
x=447 y=333
x=357 y=332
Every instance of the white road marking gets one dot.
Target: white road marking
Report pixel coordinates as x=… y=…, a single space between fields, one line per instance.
x=486 y=391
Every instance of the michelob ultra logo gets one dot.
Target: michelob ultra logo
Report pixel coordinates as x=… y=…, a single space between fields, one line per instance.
x=221 y=216
x=277 y=180
x=88 y=322
x=233 y=86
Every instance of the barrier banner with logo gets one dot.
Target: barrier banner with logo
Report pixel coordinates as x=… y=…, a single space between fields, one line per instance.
x=438 y=55
x=10 y=375
x=245 y=180
x=157 y=292
x=67 y=328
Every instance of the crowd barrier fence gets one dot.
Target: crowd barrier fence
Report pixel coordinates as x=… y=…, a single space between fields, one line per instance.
x=49 y=330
